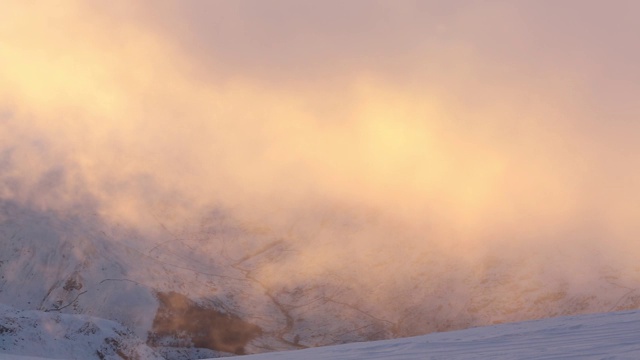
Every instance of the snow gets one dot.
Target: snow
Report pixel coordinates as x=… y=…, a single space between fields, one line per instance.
x=79 y=264
x=65 y=336
x=599 y=336
x=64 y=267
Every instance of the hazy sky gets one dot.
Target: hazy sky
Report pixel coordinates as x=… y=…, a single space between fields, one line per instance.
x=484 y=120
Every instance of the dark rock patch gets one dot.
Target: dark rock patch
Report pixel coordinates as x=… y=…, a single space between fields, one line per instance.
x=181 y=322
x=73 y=283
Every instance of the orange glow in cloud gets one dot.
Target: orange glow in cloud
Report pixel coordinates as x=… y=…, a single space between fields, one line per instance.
x=452 y=139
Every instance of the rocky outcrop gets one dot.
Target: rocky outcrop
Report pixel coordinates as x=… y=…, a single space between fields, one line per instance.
x=181 y=322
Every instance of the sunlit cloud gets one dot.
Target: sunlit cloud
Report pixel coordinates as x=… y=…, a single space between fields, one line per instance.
x=472 y=128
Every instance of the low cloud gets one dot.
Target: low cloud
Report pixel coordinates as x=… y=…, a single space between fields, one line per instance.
x=360 y=130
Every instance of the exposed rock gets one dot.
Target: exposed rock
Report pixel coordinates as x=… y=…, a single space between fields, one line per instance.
x=182 y=322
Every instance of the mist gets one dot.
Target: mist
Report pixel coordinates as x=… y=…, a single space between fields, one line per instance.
x=369 y=135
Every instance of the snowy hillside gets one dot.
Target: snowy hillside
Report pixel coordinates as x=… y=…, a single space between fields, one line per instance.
x=33 y=335
x=185 y=179
x=42 y=334
x=37 y=333
x=600 y=336
x=222 y=284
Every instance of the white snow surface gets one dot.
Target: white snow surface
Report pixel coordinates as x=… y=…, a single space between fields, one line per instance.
x=42 y=334
x=600 y=336
x=35 y=335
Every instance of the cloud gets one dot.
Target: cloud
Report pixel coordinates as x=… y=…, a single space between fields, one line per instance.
x=484 y=128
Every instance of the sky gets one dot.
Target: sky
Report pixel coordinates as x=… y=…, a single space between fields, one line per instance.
x=474 y=126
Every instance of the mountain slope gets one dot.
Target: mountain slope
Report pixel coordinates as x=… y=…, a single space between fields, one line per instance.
x=600 y=336
x=230 y=285
x=37 y=333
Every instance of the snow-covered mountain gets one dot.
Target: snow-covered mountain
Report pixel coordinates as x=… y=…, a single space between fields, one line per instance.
x=230 y=286
x=600 y=336
x=46 y=334
x=34 y=335
x=206 y=178
x=65 y=336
